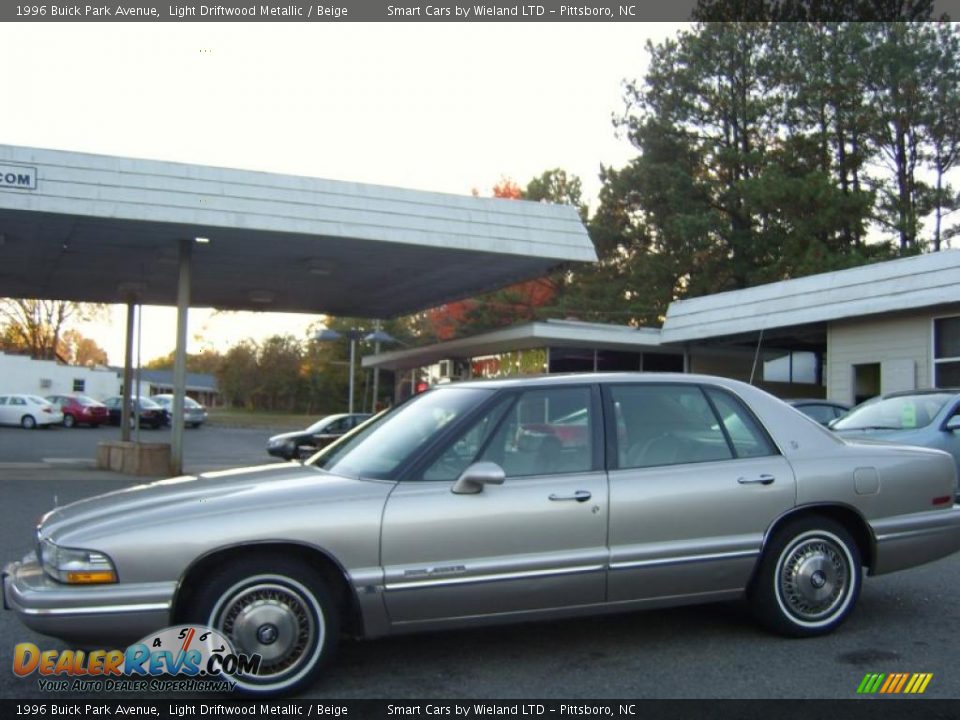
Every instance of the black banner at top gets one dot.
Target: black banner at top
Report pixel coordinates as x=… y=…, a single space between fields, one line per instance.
x=464 y=11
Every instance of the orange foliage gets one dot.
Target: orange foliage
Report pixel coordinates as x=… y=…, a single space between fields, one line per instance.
x=516 y=303
x=524 y=299
x=445 y=319
x=507 y=189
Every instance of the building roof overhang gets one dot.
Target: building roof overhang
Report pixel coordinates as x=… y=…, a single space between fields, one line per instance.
x=548 y=333
x=95 y=228
x=905 y=284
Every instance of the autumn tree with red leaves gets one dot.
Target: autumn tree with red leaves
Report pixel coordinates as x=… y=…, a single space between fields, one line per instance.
x=522 y=302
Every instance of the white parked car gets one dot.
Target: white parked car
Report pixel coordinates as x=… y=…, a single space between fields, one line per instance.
x=28 y=411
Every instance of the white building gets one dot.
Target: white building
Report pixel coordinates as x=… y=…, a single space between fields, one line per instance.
x=23 y=374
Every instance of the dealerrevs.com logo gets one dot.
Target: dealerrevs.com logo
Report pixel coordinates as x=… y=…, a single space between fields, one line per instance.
x=191 y=658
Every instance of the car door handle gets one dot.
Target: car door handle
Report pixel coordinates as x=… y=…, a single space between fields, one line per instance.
x=579 y=496
x=761 y=480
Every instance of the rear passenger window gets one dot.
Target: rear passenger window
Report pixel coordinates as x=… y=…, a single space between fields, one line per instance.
x=666 y=425
x=748 y=438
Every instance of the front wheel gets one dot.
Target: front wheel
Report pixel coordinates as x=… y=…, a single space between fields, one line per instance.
x=276 y=608
x=69 y=421
x=808 y=580
x=28 y=422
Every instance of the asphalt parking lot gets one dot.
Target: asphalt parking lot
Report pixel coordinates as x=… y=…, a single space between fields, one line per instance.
x=204 y=448
x=905 y=622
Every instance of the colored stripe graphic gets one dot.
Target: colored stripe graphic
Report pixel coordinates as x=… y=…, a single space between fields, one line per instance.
x=871 y=683
x=894 y=684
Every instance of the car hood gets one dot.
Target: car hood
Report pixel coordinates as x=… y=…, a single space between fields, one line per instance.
x=295 y=435
x=184 y=499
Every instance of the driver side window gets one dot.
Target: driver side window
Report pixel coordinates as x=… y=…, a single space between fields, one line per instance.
x=465 y=449
x=541 y=432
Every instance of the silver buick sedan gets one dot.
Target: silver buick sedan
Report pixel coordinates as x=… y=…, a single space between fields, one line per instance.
x=500 y=501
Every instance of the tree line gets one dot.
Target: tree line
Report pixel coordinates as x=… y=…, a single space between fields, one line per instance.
x=287 y=374
x=764 y=151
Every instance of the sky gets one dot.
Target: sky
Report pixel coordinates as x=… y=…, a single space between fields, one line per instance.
x=442 y=107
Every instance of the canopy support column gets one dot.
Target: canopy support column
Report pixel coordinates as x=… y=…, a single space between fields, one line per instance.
x=127 y=374
x=180 y=359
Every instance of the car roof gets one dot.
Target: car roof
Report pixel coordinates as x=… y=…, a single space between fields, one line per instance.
x=924 y=391
x=590 y=378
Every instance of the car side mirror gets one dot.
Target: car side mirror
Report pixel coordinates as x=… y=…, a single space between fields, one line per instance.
x=953 y=424
x=472 y=480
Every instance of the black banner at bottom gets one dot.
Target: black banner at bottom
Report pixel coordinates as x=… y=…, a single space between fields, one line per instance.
x=858 y=709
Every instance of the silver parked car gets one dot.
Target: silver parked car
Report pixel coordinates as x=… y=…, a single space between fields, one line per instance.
x=194 y=414
x=500 y=501
x=930 y=418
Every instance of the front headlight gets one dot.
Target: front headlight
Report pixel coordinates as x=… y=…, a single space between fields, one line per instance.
x=74 y=566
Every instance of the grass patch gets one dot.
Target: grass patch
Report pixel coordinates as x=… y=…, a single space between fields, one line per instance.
x=240 y=418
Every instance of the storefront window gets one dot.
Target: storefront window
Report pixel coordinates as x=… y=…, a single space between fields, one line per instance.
x=662 y=362
x=509 y=364
x=946 y=352
x=569 y=360
x=617 y=361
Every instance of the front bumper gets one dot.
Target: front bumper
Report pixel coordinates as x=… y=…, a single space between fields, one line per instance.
x=98 y=614
x=908 y=540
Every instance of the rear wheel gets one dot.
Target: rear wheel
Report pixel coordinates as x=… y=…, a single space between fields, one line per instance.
x=809 y=578
x=28 y=422
x=277 y=608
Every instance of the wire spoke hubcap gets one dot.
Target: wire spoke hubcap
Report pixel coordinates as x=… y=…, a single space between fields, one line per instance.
x=273 y=621
x=814 y=578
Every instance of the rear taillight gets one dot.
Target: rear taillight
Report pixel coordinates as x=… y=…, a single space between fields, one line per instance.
x=47 y=410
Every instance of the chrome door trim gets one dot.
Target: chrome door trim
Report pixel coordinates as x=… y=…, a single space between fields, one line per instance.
x=98 y=610
x=681 y=560
x=580 y=569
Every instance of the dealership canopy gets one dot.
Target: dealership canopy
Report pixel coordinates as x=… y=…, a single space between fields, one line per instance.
x=92 y=228
x=95 y=228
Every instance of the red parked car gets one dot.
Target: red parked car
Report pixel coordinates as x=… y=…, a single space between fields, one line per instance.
x=80 y=410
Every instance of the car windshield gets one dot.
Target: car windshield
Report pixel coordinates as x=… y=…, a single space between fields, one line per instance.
x=380 y=447
x=903 y=412
x=86 y=401
x=148 y=404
